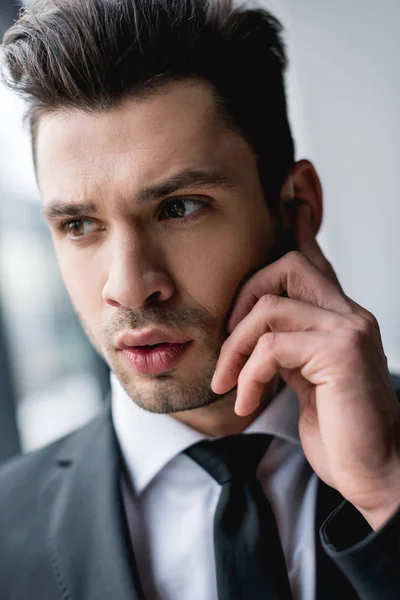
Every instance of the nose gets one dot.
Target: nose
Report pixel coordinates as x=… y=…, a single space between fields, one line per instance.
x=135 y=273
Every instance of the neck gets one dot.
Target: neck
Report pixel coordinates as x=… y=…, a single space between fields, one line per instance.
x=220 y=419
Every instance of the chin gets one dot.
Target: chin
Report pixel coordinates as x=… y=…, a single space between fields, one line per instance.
x=166 y=395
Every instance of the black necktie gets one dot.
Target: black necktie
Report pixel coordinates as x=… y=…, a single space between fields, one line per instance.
x=249 y=560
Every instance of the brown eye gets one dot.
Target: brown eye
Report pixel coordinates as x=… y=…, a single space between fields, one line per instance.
x=78 y=228
x=75 y=228
x=176 y=208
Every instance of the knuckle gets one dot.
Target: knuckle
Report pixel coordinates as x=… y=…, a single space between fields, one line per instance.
x=295 y=256
x=270 y=301
x=357 y=320
x=350 y=339
x=372 y=320
x=267 y=340
x=365 y=323
x=343 y=345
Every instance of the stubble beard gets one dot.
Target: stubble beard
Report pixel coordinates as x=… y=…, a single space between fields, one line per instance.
x=168 y=392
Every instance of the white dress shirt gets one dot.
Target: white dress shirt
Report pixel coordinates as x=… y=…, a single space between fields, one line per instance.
x=170 y=500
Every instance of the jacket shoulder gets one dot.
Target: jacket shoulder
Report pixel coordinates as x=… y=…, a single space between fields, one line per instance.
x=22 y=474
x=24 y=555
x=19 y=472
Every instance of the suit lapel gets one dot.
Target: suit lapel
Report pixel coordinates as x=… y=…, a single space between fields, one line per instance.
x=331 y=583
x=87 y=531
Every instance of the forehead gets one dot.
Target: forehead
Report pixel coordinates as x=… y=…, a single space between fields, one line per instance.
x=140 y=141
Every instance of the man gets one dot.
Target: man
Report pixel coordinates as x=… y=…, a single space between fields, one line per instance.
x=185 y=233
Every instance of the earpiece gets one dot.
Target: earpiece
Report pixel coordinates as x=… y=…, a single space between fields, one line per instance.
x=294 y=203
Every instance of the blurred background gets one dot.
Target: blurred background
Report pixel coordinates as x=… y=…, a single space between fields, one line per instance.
x=343 y=91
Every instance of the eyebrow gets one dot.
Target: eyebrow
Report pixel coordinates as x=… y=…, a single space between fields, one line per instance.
x=186 y=179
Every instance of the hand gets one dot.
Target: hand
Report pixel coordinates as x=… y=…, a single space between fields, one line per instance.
x=329 y=350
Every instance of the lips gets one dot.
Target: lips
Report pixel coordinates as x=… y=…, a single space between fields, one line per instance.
x=153 y=361
x=150 y=337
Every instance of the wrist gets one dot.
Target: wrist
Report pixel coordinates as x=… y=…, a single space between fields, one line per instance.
x=378 y=516
x=380 y=505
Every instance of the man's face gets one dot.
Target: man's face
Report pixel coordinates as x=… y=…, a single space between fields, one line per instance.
x=131 y=266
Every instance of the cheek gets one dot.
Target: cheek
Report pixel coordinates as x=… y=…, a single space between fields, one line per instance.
x=84 y=280
x=213 y=266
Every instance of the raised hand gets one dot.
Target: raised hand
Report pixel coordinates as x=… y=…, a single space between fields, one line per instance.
x=329 y=350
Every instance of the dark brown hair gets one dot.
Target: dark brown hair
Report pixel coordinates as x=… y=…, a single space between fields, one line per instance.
x=91 y=54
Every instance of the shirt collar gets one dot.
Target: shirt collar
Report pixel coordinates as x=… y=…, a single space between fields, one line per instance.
x=149 y=441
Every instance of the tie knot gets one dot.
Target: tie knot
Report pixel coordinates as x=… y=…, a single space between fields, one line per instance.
x=232 y=457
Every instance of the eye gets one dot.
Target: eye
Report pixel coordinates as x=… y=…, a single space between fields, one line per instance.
x=182 y=208
x=78 y=228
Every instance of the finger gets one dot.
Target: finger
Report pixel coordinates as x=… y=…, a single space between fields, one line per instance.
x=295 y=274
x=271 y=313
x=275 y=351
x=308 y=245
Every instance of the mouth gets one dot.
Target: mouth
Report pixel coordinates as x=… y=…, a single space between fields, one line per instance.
x=150 y=347
x=153 y=359
x=148 y=338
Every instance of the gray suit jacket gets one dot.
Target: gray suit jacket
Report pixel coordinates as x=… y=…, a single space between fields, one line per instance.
x=64 y=536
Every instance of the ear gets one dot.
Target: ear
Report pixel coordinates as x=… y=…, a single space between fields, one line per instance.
x=303 y=183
